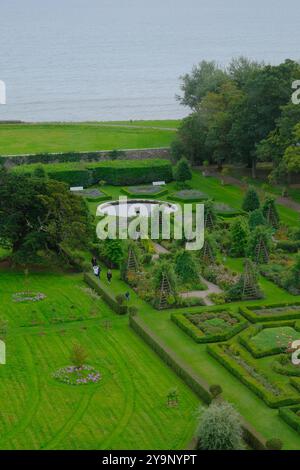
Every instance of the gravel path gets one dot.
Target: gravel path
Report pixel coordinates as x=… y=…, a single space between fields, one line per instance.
x=203 y=294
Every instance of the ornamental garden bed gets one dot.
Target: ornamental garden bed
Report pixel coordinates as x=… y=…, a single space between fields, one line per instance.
x=272 y=312
x=83 y=375
x=189 y=195
x=210 y=326
x=93 y=194
x=250 y=372
x=270 y=339
x=144 y=191
x=225 y=210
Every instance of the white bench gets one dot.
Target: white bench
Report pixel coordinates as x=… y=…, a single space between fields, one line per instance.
x=76 y=188
x=158 y=183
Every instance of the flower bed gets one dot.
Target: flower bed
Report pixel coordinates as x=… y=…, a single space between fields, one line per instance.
x=234 y=359
x=210 y=326
x=272 y=312
x=269 y=339
x=144 y=191
x=93 y=194
x=225 y=210
x=28 y=297
x=189 y=195
x=72 y=375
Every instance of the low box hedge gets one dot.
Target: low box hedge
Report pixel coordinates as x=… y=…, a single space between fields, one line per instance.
x=199 y=336
x=192 y=380
x=107 y=296
x=273 y=401
x=253 y=317
x=288 y=414
x=288 y=246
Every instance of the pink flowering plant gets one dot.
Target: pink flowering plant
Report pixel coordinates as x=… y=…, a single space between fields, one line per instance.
x=73 y=375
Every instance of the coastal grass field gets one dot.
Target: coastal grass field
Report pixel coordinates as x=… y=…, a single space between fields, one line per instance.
x=16 y=139
x=127 y=409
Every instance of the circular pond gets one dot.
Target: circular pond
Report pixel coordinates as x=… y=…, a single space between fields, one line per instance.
x=135 y=207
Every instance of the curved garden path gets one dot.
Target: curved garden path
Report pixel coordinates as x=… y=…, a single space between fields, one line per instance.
x=203 y=294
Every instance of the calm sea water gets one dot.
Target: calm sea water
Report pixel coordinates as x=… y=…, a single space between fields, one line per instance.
x=121 y=59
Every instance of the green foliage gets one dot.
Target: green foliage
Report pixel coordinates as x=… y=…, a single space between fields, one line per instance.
x=215 y=390
x=78 y=355
x=239 y=236
x=115 y=172
x=39 y=172
x=293 y=277
x=220 y=428
x=182 y=171
x=251 y=200
x=185 y=267
x=256 y=218
x=113 y=251
x=269 y=208
x=160 y=268
x=260 y=233
x=274 y=444
x=40 y=218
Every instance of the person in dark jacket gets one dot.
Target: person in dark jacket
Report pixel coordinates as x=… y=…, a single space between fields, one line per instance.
x=109 y=276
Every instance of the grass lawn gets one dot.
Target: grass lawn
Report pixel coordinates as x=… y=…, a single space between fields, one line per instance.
x=125 y=410
x=42 y=138
x=270 y=338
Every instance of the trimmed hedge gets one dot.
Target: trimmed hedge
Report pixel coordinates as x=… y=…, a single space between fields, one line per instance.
x=107 y=296
x=189 y=328
x=116 y=172
x=289 y=416
x=245 y=337
x=199 y=386
x=250 y=315
x=192 y=380
x=126 y=172
x=272 y=400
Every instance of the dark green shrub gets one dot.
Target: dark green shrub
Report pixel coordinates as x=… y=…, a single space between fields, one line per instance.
x=251 y=200
x=182 y=171
x=274 y=444
x=215 y=390
x=256 y=218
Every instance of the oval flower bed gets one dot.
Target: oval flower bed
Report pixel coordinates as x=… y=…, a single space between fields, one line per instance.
x=28 y=297
x=72 y=375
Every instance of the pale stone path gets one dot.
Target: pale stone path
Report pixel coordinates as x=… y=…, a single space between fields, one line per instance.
x=203 y=294
x=159 y=249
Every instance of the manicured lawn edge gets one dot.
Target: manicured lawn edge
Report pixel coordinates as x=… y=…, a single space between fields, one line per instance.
x=248 y=313
x=182 y=322
x=215 y=350
x=194 y=381
x=107 y=296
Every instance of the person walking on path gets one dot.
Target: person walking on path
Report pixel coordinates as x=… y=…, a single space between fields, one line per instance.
x=109 y=276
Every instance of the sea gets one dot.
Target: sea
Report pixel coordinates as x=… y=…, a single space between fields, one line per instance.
x=110 y=60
